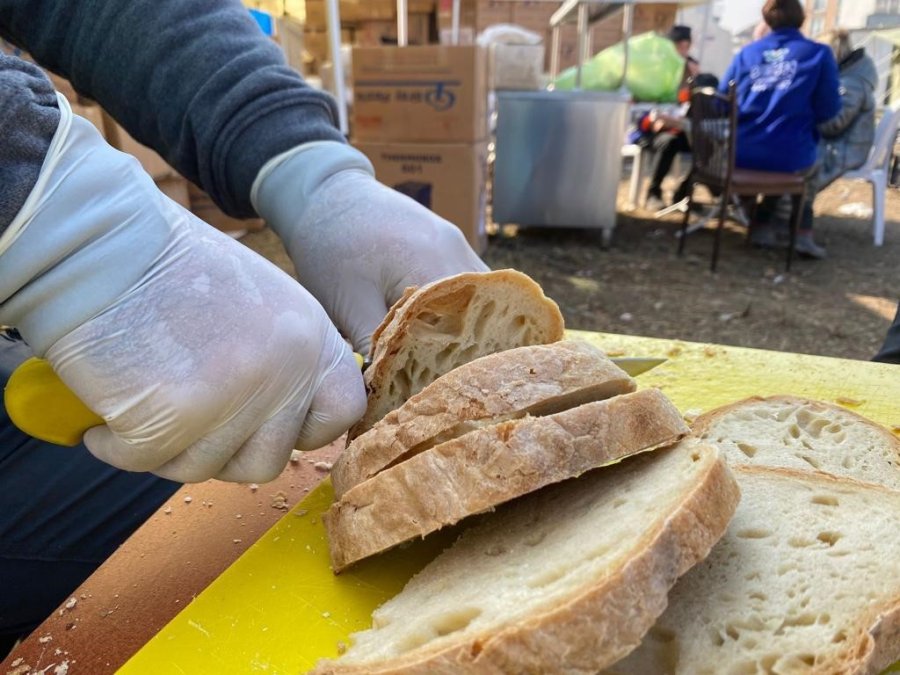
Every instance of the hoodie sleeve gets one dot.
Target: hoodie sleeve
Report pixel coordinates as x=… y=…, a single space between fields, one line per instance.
x=854 y=96
x=29 y=116
x=196 y=80
x=827 y=97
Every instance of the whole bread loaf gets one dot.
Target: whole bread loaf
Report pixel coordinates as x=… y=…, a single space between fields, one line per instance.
x=566 y=580
x=796 y=433
x=440 y=326
x=806 y=580
x=492 y=465
x=535 y=380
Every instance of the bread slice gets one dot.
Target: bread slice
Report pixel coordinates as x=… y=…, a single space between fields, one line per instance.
x=806 y=580
x=536 y=380
x=796 y=433
x=566 y=580
x=489 y=466
x=439 y=327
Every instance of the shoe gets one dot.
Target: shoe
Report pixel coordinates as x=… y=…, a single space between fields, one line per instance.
x=654 y=203
x=807 y=248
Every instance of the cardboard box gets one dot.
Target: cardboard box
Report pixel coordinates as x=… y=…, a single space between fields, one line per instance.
x=93 y=114
x=449 y=179
x=517 y=67
x=176 y=189
x=380 y=33
x=431 y=94
x=117 y=137
x=206 y=210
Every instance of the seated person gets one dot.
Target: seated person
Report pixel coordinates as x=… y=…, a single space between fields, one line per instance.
x=890 y=352
x=786 y=86
x=668 y=135
x=665 y=134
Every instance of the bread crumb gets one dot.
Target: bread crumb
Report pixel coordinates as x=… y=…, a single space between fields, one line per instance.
x=710 y=351
x=235 y=541
x=613 y=353
x=167 y=510
x=45 y=639
x=674 y=351
x=188 y=500
x=326 y=614
x=341 y=647
x=71 y=603
x=253 y=487
x=61 y=669
x=20 y=669
x=238 y=516
x=295 y=456
x=279 y=501
x=17 y=662
x=849 y=402
x=301 y=513
x=323 y=466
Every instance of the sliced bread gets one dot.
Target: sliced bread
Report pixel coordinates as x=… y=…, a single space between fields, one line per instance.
x=806 y=580
x=566 y=580
x=536 y=380
x=436 y=328
x=796 y=433
x=492 y=465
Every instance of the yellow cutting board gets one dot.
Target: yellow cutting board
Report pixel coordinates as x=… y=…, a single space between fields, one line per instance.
x=279 y=608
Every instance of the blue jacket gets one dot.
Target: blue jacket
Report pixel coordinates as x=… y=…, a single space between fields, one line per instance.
x=786 y=85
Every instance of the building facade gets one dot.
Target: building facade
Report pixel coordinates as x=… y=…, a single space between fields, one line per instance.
x=823 y=15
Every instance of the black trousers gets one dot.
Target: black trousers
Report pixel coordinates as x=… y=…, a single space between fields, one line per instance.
x=665 y=146
x=890 y=352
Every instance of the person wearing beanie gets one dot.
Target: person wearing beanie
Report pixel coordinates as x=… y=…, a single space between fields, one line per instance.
x=787 y=85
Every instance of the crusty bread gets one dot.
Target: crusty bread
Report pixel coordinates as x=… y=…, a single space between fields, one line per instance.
x=806 y=580
x=439 y=327
x=536 y=380
x=796 y=433
x=492 y=465
x=566 y=580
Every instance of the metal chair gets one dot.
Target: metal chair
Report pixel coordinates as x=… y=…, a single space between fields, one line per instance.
x=875 y=170
x=714 y=143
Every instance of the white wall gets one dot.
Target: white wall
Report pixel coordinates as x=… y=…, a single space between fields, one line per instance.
x=855 y=12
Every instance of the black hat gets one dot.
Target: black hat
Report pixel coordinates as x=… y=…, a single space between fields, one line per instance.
x=680 y=34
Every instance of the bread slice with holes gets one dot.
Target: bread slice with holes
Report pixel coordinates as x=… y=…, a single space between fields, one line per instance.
x=492 y=465
x=566 y=580
x=439 y=327
x=806 y=580
x=797 y=433
x=536 y=380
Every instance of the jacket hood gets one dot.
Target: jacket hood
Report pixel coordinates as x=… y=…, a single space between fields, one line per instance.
x=858 y=64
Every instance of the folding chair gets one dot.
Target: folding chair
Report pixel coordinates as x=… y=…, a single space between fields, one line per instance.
x=714 y=143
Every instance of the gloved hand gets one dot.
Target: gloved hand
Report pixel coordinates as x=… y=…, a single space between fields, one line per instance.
x=204 y=359
x=356 y=244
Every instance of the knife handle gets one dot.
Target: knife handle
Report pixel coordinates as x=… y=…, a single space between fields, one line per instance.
x=41 y=405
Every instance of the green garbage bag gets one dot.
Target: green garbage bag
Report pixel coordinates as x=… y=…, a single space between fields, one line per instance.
x=655 y=69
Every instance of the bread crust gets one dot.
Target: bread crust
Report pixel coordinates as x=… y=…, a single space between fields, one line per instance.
x=489 y=466
x=603 y=622
x=393 y=339
x=498 y=386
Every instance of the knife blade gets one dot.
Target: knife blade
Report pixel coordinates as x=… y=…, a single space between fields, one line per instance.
x=41 y=405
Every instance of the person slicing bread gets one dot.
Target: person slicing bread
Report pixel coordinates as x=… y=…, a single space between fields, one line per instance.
x=204 y=359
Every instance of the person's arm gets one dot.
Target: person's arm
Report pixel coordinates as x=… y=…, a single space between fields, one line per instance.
x=28 y=119
x=853 y=99
x=194 y=79
x=827 y=95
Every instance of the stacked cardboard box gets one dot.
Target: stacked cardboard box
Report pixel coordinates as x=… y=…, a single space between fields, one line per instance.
x=534 y=15
x=420 y=116
x=364 y=23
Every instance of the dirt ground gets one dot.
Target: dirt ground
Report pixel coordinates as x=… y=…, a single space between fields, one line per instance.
x=841 y=306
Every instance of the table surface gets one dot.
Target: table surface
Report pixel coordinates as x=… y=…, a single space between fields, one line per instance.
x=177 y=554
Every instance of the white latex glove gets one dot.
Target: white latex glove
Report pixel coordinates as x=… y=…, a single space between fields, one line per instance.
x=204 y=359
x=356 y=244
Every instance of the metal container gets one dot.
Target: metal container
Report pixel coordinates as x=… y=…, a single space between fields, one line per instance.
x=558 y=158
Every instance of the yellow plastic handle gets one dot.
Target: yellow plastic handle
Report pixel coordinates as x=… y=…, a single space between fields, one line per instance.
x=42 y=406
